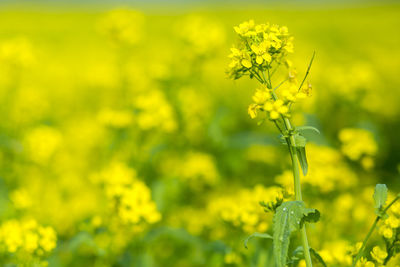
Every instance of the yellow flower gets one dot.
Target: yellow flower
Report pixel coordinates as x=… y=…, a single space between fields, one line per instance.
x=258 y=44
x=357 y=143
x=245 y=28
x=246 y=63
x=261 y=52
x=276 y=109
x=378 y=254
x=386 y=231
x=252 y=110
x=363 y=262
x=261 y=96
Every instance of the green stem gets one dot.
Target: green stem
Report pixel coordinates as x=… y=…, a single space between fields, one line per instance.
x=371 y=230
x=296 y=175
x=297 y=189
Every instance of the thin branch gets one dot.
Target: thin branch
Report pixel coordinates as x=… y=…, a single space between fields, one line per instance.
x=308 y=71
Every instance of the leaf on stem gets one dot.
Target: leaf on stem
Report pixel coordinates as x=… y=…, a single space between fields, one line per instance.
x=259 y=235
x=317 y=257
x=380 y=197
x=301 y=152
x=289 y=217
x=305 y=129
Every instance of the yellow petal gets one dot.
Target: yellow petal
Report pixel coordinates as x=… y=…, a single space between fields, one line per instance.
x=274 y=115
x=246 y=63
x=267 y=57
x=252 y=110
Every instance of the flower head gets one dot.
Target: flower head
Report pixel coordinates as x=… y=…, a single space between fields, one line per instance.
x=259 y=46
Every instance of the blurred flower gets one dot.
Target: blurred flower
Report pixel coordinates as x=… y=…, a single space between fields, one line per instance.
x=154 y=111
x=358 y=144
x=26 y=241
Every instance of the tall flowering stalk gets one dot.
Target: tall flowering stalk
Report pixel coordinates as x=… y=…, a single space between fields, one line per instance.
x=261 y=52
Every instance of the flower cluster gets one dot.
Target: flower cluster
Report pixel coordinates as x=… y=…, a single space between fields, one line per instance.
x=26 y=240
x=358 y=144
x=391 y=225
x=154 y=111
x=262 y=50
x=260 y=45
x=242 y=209
x=327 y=169
x=129 y=197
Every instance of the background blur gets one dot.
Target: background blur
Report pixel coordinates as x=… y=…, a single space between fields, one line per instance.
x=123 y=142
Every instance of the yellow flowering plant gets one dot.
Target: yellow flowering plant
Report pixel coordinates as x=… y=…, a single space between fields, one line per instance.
x=261 y=51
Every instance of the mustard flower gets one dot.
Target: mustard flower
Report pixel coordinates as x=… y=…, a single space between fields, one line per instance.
x=378 y=254
x=259 y=46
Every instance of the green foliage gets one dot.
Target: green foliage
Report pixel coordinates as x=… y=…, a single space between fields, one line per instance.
x=298 y=254
x=306 y=129
x=259 y=235
x=380 y=197
x=289 y=217
x=300 y=147
x=318 y=257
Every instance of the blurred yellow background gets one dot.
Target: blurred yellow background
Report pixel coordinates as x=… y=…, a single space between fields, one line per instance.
x=124 y=143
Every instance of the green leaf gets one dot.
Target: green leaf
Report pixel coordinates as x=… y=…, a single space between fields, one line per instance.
x=301 y=153
x=380 y=197
x=310 y=215
x=300 y=141
x=289 y=217
x=259 y=235
x=300 y=144
x=305 y=129
x=317 y=256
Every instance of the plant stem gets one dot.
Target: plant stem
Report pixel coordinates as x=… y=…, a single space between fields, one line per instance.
x=297 y=189
x=296 y=175
x=371 y=230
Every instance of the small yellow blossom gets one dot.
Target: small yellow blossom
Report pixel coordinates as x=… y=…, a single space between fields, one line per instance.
x=27 y=236
x=357 y=144
x=363 y=262
x=378 y=254
x=252 y=110
x=386 y=231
